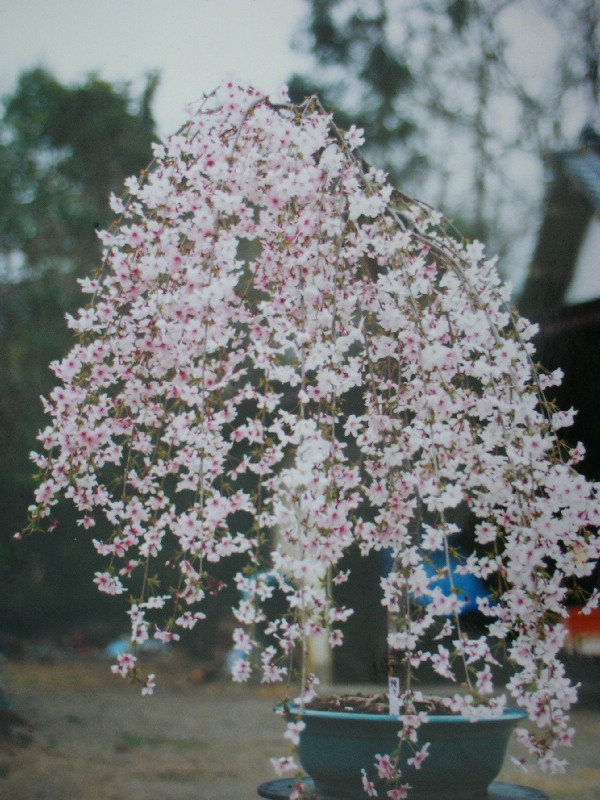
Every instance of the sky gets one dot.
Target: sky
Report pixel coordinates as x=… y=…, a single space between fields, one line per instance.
x=194 y=44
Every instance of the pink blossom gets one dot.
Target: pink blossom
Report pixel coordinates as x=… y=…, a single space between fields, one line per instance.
x=354 y=137
x=284 y=764
x=336 y=638
x=419 y=757
x=107 y=583
x=293 y=731
x=241 y=670
x=385 y=768
x=272 y=673
x=368 y=785
x=149 y=685
x=441 y=663
x=341 y=577
x=298 y=791
x=126 y=663
x=399 y=793
x=166 y=637
x=259 y=280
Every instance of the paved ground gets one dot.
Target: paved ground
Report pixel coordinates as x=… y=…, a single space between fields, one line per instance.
x=95 y=738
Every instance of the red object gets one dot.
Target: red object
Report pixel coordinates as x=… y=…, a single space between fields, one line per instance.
x=583 y=631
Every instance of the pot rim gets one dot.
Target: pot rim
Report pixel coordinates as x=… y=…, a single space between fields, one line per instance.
x=293 y=709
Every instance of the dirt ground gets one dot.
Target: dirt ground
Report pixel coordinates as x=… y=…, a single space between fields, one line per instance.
x=92 y=736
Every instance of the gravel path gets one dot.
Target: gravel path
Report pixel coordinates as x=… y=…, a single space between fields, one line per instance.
x=95 y=738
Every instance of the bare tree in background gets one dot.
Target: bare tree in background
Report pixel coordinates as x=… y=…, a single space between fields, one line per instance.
x=462 y=100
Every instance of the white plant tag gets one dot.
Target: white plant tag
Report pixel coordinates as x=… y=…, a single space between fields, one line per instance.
x=394 y=696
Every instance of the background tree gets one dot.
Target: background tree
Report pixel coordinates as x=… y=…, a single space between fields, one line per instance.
x=461 y=100
x=63 y=149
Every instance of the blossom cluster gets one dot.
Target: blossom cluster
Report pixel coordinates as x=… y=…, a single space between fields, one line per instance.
x=283 y=357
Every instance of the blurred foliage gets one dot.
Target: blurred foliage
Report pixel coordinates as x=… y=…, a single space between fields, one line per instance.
x=63 y=150
x=450 y=96
x=357 y=49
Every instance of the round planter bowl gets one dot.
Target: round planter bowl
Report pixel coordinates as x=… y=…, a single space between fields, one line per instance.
x=464 y=755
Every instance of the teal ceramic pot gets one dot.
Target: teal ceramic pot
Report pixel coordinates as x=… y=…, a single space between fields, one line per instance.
x=464 y=756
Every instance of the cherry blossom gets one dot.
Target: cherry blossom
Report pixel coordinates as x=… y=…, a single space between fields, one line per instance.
x=293 y=731
x=417 y=760
x=282 y=357
x=368 y=785
x=385 y=767
x=284 y=764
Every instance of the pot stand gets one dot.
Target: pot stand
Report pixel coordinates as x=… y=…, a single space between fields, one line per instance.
x=281 y=790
